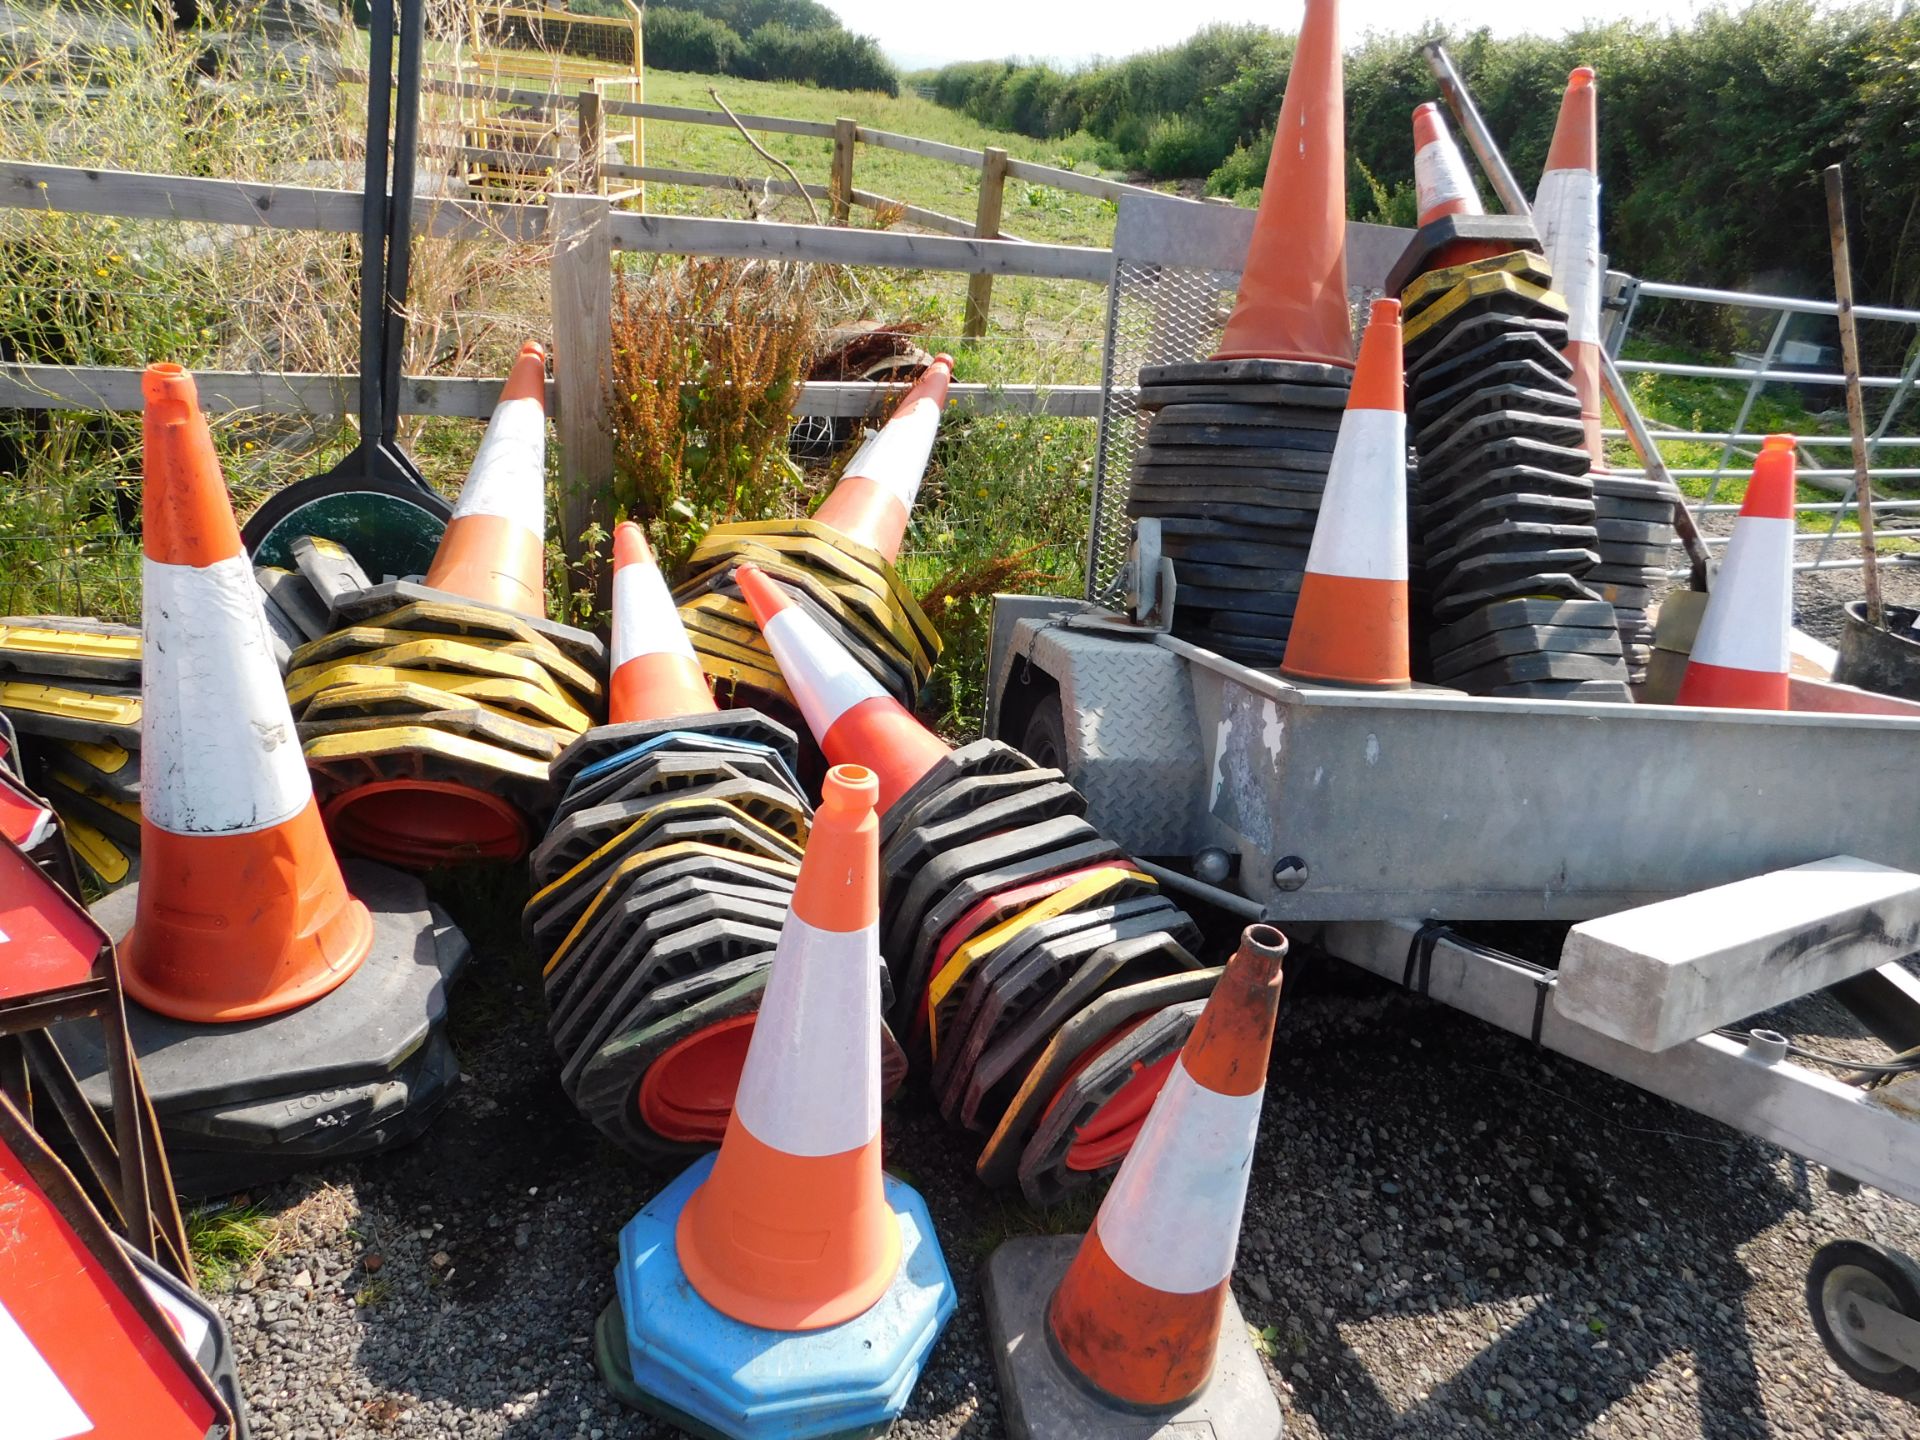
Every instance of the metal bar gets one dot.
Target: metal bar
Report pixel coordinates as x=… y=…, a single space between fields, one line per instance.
x=1797 y=1108
x=1738 y=372
x=406 y=150
x=1661 y=290
x=1746 y=405
x=1460 y=101
x=373 y=218
x=1804 y=441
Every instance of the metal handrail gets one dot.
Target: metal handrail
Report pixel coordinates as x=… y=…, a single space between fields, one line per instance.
x=1739 y=299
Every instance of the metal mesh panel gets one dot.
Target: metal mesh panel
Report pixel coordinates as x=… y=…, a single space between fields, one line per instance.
x=1156 y=315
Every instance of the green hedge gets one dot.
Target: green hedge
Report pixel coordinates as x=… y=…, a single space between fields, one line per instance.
x=1712 y=137
x=766 y=40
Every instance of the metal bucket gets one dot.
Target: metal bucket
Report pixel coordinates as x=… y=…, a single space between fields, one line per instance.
x=1886 y=661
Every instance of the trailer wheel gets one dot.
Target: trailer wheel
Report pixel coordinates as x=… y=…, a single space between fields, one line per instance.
x=1843 y=1270
x=1044 y=740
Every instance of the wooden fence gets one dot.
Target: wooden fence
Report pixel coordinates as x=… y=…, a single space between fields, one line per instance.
x=584 y=232
x=591 y=112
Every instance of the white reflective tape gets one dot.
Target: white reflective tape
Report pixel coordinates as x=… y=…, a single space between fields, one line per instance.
x=896 y=458
x=37 y=1404
x=644 y=620
x=1749 y=616
x=1440 y=176
x=1567 y=212
x=1362 y=528
x=811 y=1084
x=509 y=474
x=825 y=680
x=1172 y=1218
x=219 y=751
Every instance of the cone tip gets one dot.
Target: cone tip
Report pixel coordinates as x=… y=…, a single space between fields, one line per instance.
x=944 y=359
x=164 y=380
x=535 y=350
x=763 y=597
x=849 y=790
x=1780 y=442
x=1582 y=76
x=1264 y=947
x=630 y=545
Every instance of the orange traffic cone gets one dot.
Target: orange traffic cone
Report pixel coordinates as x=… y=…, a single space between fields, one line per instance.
x=1350 y=625
x=1741 y=655
x=875 y=496
x=792 y=1230
x=655 y=675
x=1137 y=1320
x=242 y=911
x=854 y=721
x=1566 y=207
x=1293 y=291
x=495 y=548
x=1441 y=180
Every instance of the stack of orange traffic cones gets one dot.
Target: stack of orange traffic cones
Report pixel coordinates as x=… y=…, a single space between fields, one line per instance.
x=1041 y=981
x=431 y=713
x=242 y=912
x=1233 y=464
x=663 y=882
x=1133 y=1329
x=786 y=1287
x=837 y=566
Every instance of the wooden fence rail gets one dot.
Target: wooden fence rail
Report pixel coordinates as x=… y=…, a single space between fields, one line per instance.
x=584 y=232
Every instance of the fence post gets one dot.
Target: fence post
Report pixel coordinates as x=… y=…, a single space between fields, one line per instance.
x=986 y=226
x=582 y=349
x=592 y=143
x=841 y=187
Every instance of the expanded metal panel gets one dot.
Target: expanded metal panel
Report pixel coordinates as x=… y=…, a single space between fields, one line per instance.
x=1156 y=314
x=1176 y=271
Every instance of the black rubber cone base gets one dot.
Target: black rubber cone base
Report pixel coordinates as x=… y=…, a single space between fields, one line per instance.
x=408 y=1103
x=1330 y=398
x=1042 y=1399
x=357 y=1032
x=1247 y=372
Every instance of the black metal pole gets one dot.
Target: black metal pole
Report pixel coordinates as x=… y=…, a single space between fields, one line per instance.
x=406 y=144
x=373 y=223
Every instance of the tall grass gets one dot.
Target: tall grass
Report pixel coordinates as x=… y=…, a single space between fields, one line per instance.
x=101 y=86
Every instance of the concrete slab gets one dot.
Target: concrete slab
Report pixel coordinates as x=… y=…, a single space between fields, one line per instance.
x=1665 y=973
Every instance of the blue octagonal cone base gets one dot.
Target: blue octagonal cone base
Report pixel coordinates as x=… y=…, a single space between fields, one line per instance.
x=714 y=1376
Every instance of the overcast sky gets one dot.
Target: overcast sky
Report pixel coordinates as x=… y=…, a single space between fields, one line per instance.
x=917 y=34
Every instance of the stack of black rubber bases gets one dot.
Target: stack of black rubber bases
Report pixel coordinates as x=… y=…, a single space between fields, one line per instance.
x=1233 y=465
x=1635 y=526
x=1501 y=525
x=662 y=884
x=1045 y=985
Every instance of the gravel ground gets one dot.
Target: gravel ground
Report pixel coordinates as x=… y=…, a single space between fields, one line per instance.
x=1447 y=1233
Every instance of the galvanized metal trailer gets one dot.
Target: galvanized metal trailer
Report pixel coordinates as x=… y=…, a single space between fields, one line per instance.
x=1362 y=820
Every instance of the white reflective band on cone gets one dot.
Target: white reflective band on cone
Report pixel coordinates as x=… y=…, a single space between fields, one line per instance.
x=644 y=620
x=1172 y=1218
x=221 y=754
x=37 y=1405
x=896 y=458
x=1567 y=211
x=825 y=680
x=1748 y=619
x=1362 y=529
x=811 y=1084
x=509 y=474
x=1440 y=175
